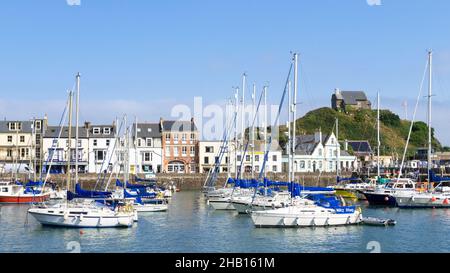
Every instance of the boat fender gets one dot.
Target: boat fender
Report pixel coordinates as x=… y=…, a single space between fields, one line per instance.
x=445 y=201
x=81 y=217
x=386 y=198
x=412 y=198
x=66 y=216
x=433 y=199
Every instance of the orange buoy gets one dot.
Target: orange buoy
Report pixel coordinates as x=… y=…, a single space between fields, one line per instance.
x=433 y=199
x=81 y=232
x=445 y=201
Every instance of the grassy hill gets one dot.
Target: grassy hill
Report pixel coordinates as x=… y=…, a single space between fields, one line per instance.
x=362 y=125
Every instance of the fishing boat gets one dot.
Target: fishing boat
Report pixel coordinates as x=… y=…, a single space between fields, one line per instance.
x=17 y=193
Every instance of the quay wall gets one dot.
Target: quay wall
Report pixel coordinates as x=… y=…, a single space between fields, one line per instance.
x=191 y=181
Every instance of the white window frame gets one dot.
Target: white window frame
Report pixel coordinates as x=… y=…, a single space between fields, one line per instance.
x=96 y=130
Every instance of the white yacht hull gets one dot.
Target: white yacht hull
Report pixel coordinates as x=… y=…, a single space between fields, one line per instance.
x=81 y=221
x=151 y=207
x=423 y=201
x=295 y=217
x=221 y=204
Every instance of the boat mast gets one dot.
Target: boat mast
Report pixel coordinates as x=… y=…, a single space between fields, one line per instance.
x=265 y=124
x=76 y=129
x=288 y=145
x=228 y=128
x=378 y=135
x=69 y=140
x=294 y=99
x=338 y=149
x=430 y=61
x=252 y=136
x=244 y=77
x=136 y=167
x=236 y=109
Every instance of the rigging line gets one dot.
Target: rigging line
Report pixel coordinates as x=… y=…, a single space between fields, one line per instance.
x=102 y=176
x=269 y=143
x=55 y=144
x=413 y=118
x=248 y=141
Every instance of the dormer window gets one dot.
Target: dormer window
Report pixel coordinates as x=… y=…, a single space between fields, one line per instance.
x=13 y=126
x=106 y=131
x=139 y=130
x=96 y=130
x=149 y=130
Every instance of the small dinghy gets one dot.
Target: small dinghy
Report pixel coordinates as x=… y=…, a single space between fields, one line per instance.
x=378 y=221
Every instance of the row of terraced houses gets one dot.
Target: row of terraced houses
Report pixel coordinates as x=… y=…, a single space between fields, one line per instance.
x=166 y=146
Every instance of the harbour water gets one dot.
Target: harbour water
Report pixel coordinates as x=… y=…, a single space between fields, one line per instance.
x=191 y=226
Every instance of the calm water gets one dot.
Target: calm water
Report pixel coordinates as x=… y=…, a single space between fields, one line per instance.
x=190 y=226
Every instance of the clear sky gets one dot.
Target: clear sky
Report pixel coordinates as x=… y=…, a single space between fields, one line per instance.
x=143 y=57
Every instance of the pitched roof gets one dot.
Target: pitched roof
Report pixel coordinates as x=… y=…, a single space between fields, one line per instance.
x=351 y=97
x=53 y=132
x=306 y=144
x=150 y=130
x=179 y=126
x=360 y=147
x=26 y=126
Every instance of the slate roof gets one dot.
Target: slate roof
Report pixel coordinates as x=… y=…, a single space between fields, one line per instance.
x=305 y=144
x=360 y=147
x=26 y=126
x=179 y=126
x=53 y=132
x=351 y=97
x=147 y=130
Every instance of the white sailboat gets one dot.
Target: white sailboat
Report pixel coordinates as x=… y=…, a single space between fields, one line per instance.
x=84 y=213
x=437 y=197
x=302 y=212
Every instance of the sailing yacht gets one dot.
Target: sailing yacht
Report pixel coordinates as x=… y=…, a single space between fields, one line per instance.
x=17 y=193
x=310 y=210
x=438 y=197
x=81 y=212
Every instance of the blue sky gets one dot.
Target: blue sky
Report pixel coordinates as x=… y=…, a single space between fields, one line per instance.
x=143 y=57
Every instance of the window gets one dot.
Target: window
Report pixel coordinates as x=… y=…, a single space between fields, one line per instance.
x=309 y=164
x=226 y=159
x=22 y=139
x=167 y=137
x=274 y=158
x=95 y=142
x=209 y=149
x=247 y=158
x=79 y=143
x=175 y=138
x=100 y=155
x=139 y=142
x=106 y=131
x=216 y=159
x=108 y=142
x=330 y=153
x=146 y=156
x=192 y=137
x=274 y=168
x=167 y=151
x=175 y=151
x=183 y=137
x=184 y=151
x=10 y=139
x=206 y=160
x=192 y=150
x=9 y=153
x=302 y=164
x=320 y=152
x=96 y=131
x=257 y=168
x=4 y=189
x=38 y=125
x=238 y=158
x=257 y=158
x=149 y=142
x=320 y=165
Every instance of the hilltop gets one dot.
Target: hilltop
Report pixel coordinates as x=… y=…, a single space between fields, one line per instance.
x=362 y=125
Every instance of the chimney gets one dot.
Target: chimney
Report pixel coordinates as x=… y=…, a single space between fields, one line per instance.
x=161 y=124
x=87 y=124
x=318 y=136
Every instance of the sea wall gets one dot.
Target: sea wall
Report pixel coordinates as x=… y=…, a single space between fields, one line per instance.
x=190 y=181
